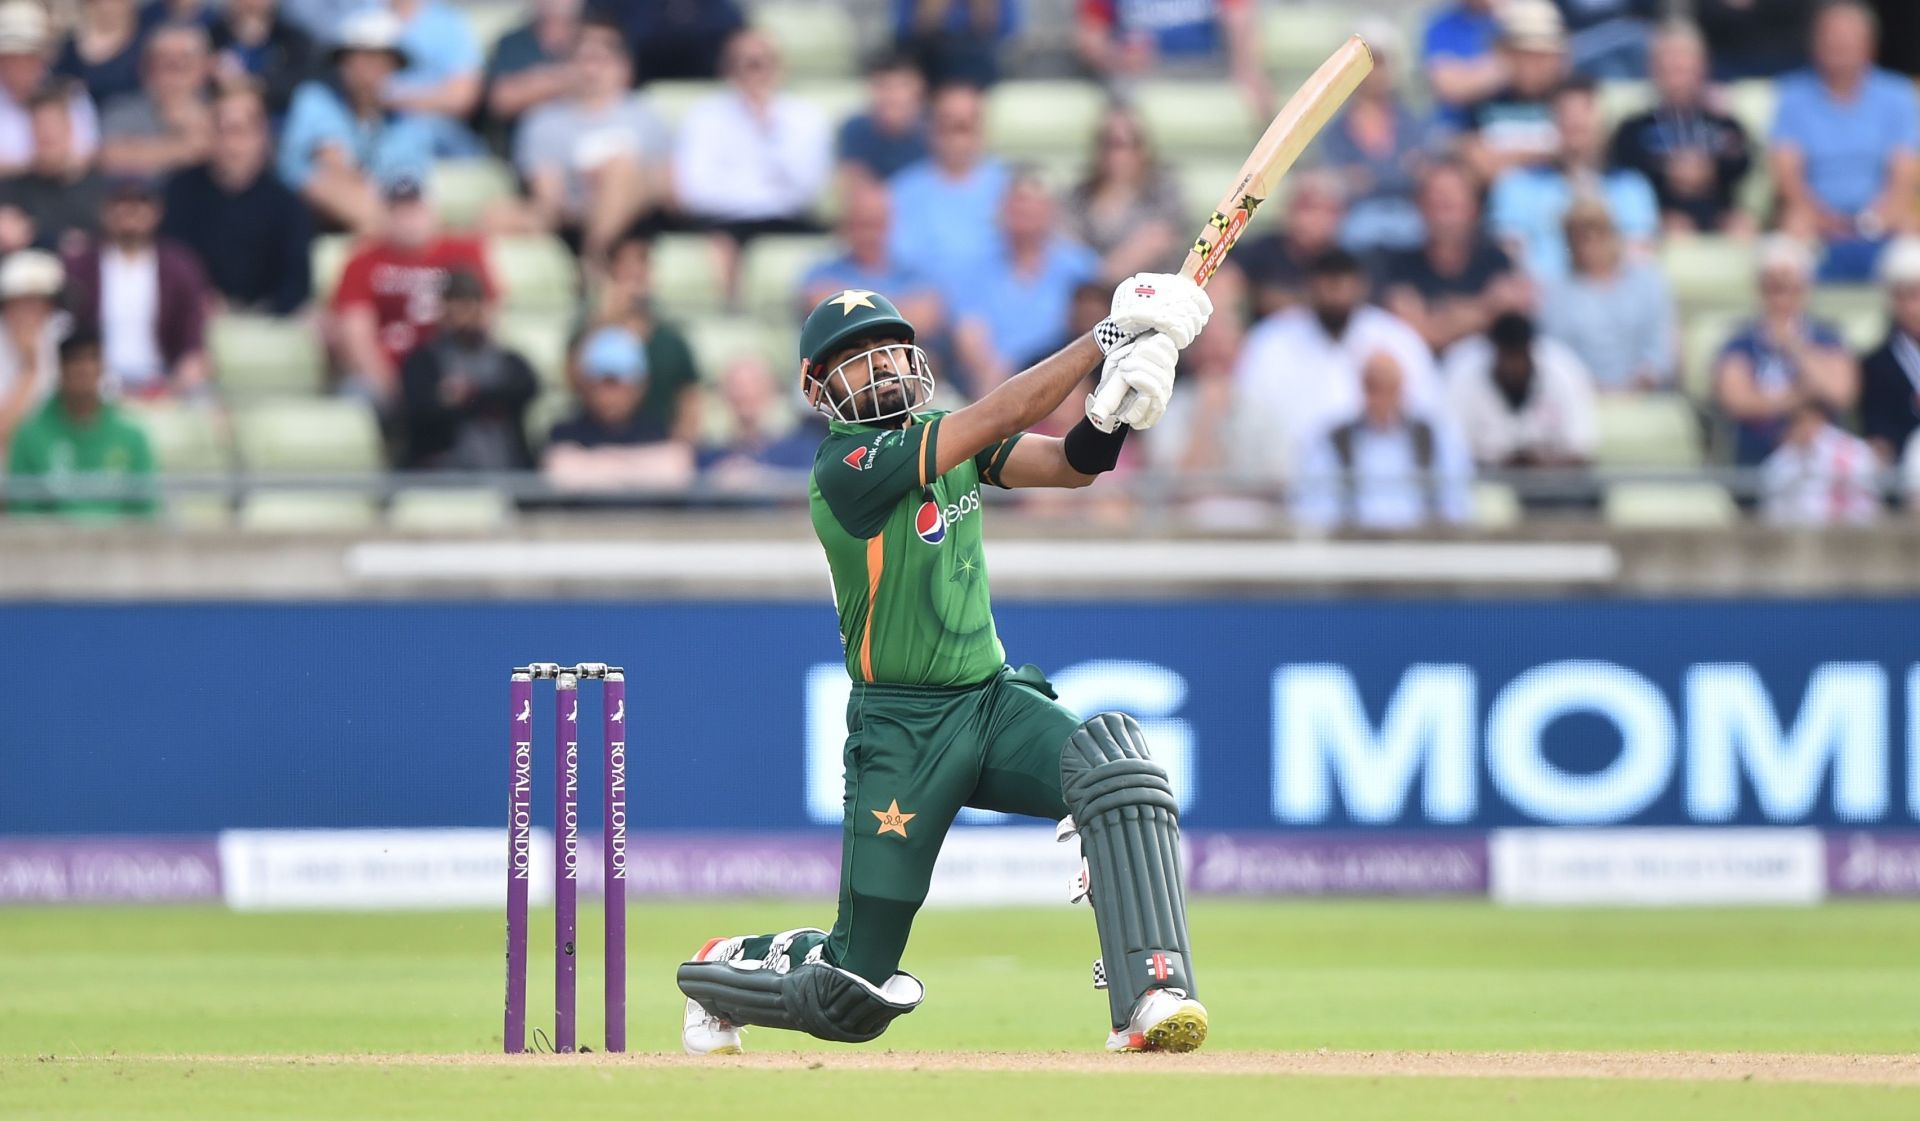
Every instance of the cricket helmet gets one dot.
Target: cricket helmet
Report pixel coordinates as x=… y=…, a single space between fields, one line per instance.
x=898 y=378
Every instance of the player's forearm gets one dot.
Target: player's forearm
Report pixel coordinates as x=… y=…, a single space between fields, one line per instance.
x=1016 y=404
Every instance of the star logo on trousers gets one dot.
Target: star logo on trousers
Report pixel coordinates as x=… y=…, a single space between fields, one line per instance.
x=891 y=819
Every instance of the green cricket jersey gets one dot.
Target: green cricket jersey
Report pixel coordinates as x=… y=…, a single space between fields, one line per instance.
x=904 y=545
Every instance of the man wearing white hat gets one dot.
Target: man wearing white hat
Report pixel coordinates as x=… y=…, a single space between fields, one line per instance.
x=25 y=37
x=31 y=327
x=341 y=141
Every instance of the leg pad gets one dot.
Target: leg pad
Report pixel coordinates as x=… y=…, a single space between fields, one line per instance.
x=823 y=1000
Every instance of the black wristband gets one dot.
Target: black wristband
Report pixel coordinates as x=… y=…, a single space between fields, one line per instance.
x=1091 y=451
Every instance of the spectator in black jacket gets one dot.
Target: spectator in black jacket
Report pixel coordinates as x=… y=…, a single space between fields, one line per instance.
x=1890 y=375
x=253 y=42
x=1695 y=157
x=465 y=395
x=55 y=200
x=249 y=229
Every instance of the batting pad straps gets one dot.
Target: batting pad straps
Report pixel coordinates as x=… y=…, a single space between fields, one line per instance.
x=1129 y=829
x=823 y=1000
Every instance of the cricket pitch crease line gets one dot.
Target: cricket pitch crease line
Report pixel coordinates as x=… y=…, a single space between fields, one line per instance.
x=1684 y=1066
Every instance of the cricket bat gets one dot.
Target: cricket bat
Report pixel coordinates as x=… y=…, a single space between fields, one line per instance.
x=1299 y=121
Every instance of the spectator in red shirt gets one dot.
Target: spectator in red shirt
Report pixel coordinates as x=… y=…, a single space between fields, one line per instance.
x=389 y=295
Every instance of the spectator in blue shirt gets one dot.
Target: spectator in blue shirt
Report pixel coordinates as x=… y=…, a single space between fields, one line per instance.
x=1609 y=37
x=1845 y=141
x=1008 y=309
x=1385 y=468
x=441 y=79
x=1513 y=127
x=341 y=141
x=892 y=133
x=1529 y=204
x=675 y=38
x=867 y=263
x=1461 y=60
x=956 y=40
x=1781 y=359
x=945 y=206
x=1120 y=40
x=1377 y=147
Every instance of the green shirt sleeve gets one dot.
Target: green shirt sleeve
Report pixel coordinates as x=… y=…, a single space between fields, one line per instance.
x=993 y=458
x=864 y=474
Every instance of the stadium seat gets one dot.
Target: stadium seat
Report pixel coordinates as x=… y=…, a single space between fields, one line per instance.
x=770 y=273
x=1202 y=182
x=1751 y=102
x=836 y=101
x=1862 y=328
x=327 y=259
x=183 y=438
x=1495 y=506
x=547 y=410
x=262 y=355
x=672 y=97
x=449 y=510
x=1189 y=119
x=534 y=273
x=1648 y=430
x=1296 y=38
x=1704 y=334
x=1843 y=301
x=332 y=435
x=1696 y=505
x=686 y=275
x=298 y=511
x=816 y=40
x=1709 y=271
x=461 y=190
x=541 y=338
x=492 y=21
x=1028 y=120
x=718 y=339
x=1623 y=98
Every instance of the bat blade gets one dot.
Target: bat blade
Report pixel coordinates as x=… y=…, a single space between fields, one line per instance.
x=1298 y=122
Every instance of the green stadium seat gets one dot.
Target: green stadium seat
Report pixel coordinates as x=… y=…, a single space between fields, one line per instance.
x=331 y=435
x=262 y=356
x=1623 y=98
x=671 y=98
x=184 y=438
x=816 y=40
x=449 y=510
x=1202 y=182
x=534 y=273
x=1693 y=505
x=1752 y=102
x=327 y=259
x=541 y=338
x=1027 y=120
x=1189 y=119
x=717 y=340
x=1296 y=38
x=492 y=21
x=297 y=511
x=1863 y=328
x=1701 y=339
x=547 y=410
x=461 y=190
x=771 y=269
x=836 y=100
x=1844 y=301
x=686 y=272
x=1495 y=506
x=1648 y=430
x=1709 y=271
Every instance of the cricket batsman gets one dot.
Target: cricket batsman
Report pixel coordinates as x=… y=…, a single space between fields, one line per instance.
x=937 y=719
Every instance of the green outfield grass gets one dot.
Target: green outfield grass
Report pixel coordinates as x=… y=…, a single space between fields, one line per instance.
x=91 y=999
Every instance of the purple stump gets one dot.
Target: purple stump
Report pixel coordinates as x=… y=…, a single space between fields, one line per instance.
x=519 y=854
x=566 y=853
x=614 y=846
x=615 y=857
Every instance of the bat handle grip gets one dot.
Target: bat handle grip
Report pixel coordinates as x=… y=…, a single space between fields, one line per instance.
x=1112 y=398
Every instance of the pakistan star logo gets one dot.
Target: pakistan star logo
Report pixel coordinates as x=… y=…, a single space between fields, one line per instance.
x=891 y=819
x=853 y=298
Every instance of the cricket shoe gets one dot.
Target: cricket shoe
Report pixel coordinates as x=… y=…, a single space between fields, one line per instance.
x=703 y=1033
x=1162 y=1020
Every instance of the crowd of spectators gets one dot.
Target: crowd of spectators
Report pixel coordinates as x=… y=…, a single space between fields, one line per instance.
x=1464 y=279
